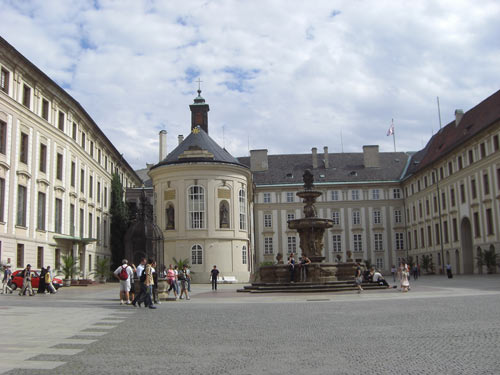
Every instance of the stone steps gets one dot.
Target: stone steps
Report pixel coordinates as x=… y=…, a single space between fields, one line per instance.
x=335 y=286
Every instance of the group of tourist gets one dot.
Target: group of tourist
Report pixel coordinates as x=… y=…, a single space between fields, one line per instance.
x=302 y=264
x=179 y=282
x=45 y=285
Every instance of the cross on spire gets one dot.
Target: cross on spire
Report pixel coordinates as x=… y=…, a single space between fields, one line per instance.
x=199 y=85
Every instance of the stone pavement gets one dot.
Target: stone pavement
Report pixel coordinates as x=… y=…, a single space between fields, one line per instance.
x=440 y=327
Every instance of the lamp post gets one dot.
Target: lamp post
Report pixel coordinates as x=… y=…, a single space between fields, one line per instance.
x=440 y=222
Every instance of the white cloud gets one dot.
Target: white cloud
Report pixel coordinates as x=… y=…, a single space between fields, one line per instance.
x=285 y=74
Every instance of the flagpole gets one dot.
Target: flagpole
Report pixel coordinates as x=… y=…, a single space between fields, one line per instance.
x=393 y=135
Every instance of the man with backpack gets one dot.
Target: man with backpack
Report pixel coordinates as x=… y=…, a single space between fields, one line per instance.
x=124 y=273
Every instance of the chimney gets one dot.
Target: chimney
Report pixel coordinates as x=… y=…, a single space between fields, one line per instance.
x=459 y=113
x=315 y=157
x=163 y=145
x=371 y=156
x=325 y=160
x=258 y=160
x=180 y=137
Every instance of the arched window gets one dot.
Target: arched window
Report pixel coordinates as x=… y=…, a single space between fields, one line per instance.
x=244 y=255
x=196 y=207
x=196 y=254
x=243 y=209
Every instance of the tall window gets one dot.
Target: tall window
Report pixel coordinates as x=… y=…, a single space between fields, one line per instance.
x=91 y=186
x=267 y=197
x=83 y=140
x=41 y=211
x=471 y=156
x=482 y=150
x=455 y=230
x=399 y=241
x=289 y=196
x=98 y=192
x=462 y=193
x=26 y=95
x=473 y=188
x=375 y=194
x=486 y=184
x=489 y=222
x=196 y=254
x=244 y=255
x=91 y=148
x=358 y=244
x=59 y=167
x=378 y=241
x=105 y=232
x=379 y=262
x=20 y=255
x=57 y=257
x=98 y=230
x=58 y=216
x=460 y=163
x=82 y=222
x=242 y=196
x=268 y=245
x=21 y=205
x=446 y=238
x=73 y=173
x=396 y=193
x=39 y=257
x=72 y=219
x=4 y=80
x=496 y=145
x=377 y=217
x=268 y=222
x=60 y=121
x=443 y=200
x=397 y=216
x=43 y=158
x=196 y=207
x=23 y=152
x=429 y=236
x=336 y=217
x=91 y=225
x=477 y=228
x=452 y=197
x=3 y=137
x=74 y=131
x=337 y=243
x=291 y=244
x=82 y=180
x=105 y=196
x=45 y=109
x=335 y=195
x=356 y=217
x=290 y=216
x=2 y=198
x=355 y=195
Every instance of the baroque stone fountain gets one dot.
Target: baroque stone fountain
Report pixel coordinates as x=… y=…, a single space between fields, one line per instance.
x=311 y=230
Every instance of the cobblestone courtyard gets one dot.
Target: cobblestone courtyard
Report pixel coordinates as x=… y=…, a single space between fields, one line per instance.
x=440 y=327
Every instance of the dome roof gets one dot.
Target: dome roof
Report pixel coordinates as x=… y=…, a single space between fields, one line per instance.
x=198 y=147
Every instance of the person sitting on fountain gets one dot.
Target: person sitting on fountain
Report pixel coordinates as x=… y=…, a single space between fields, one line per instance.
x=304 y=262
x=291 y=267
x=378 y=278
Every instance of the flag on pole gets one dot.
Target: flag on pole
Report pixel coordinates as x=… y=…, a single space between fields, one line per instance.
x=391 y=129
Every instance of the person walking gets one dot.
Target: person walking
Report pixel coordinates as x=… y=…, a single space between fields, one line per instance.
x=149 y=282
x=415 y=271
x=405 y=279
x=448 y=271
x=358 y=278
x=41 y=281
x=393 y=272
x=156 y=298
x=214 y=274
x=124 y=273
x=27 y=282
x=7 y=274
x=171 y=281
x=176 y=271
x=142 y=288
x=183 y=281
x=132 y=282
x=291 y=267
x=187 y=271
x=48 y=282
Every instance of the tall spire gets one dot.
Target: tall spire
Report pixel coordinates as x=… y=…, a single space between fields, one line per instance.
x=199 y=111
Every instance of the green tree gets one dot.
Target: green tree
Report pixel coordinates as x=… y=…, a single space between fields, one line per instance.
x=119 y=222
x=489 y=259
x=426 y=262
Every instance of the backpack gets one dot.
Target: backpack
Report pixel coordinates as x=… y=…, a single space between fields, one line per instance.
x=123 y=275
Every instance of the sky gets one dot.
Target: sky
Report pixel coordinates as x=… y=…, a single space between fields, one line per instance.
x=281 y=75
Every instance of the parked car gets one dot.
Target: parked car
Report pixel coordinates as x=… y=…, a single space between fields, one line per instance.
x=17 y=280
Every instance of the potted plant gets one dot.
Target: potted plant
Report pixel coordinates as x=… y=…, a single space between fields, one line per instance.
x=102 y=270
x=69 y=268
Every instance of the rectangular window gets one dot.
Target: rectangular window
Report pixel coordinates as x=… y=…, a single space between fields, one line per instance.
x=91 y=186
x=91 y=149
x=471 y=156
x=435 y=203
x=23 y=152
x=73 y=173
x=45 y=109
x=441 y=173
x=82 y=181
x=57 y=257
x=105 y=196
x=462 y=193
x=486 y=184
x=289 y=196
x=41 y=211
x=291 y=244
x=334 y=195
x=72 y=219
x=105 y=232
x=379 y=263
x=267 y=197
x=91 y=225
x=482 y=150
x=358 y=244
x=414 y=214
x=99 y=196
x=400 y=241
x=422 y=238
x=39 y=257
x=74 y=131
x=58 y=216
x=427 y=208
x=98 y=230
x=106 y=162
x=244 y=255
x=337 y=243
x=20 y=256
x=268 y=245
x=450 y=168
x=377 y=217
x=59 y=167
x=460 y=163
x=489 y=222
x=425 y=181
x=377 y=237
x=495 y=142
x=83 y=141
x=90 y=262
x=396 y=193
x=3 y=137
x=455 y=230
x=26 y=95
x=267 y=221
x=452 y=197
x=356 y=220
x=375 y=194
x=336 y=217
x=82 y=222
x=242 y=199
x=473 y=188
x=446 y=238
x=4 y=80
x=415 y=239
x=429 y=236
x=2 y=199
x=443 y=200
x=397 y=216
x=196 y=207
x=477 y=228
x=438 y=237
x=21 y=205
x=43 y=158
x=60 y=121
x=99 y=156
x=290 y=217
x=355 y=195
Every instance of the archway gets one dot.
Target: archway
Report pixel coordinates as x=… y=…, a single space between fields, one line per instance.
x=466 y=243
